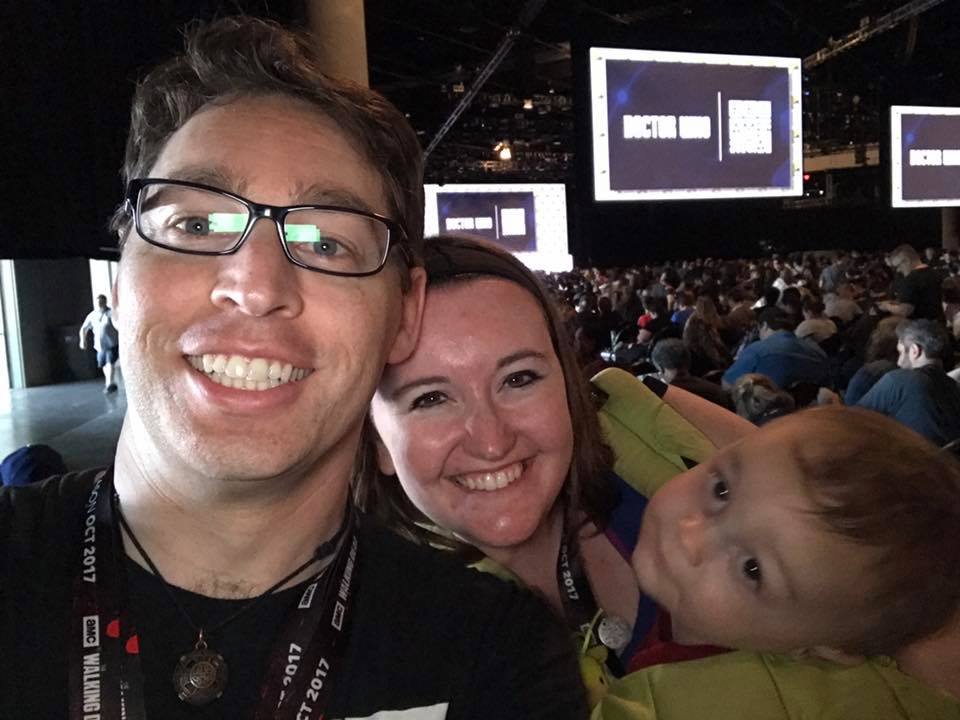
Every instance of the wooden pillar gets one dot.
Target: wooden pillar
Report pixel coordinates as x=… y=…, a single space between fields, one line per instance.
x=338 y=26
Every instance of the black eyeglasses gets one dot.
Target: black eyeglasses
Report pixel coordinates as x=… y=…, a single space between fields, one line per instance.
x=197 y=219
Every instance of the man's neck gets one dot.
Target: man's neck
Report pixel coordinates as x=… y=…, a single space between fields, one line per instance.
x=224 y=542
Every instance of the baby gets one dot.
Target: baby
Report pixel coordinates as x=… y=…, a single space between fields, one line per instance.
x=833 y=529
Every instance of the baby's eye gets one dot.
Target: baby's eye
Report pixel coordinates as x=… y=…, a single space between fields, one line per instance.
x=751 y=569
x=428 y=399
x=720 y=489
x=521 y=379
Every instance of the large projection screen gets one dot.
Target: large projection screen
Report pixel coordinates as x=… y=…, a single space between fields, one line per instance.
x=924 y=156
x=528 y=219
x=679 y=126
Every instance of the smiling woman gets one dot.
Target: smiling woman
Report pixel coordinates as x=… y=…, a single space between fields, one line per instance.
x=497 y=448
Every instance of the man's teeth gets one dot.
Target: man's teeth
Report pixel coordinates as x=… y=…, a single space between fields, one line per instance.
x=245 y=373
x=490 y=481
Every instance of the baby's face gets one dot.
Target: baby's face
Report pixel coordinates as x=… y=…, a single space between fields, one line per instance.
x=733 y=551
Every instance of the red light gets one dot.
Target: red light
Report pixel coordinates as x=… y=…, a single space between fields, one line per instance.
x=806 y=176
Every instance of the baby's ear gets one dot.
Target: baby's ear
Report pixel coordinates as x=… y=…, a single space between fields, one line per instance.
x=384 y=461
x=832 y=654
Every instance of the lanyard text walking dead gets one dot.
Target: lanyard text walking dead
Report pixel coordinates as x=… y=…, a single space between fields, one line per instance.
x=106 y=680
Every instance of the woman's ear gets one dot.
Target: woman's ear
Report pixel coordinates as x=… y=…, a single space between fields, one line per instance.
x=384 y=461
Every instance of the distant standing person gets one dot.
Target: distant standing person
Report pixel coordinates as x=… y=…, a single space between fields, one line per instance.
x=104 y=341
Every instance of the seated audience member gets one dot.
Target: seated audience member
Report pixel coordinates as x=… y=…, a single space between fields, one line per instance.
x=683 y=310
x=701 y=335
x=917 y=290
x=880 y=358
x=672 y=360
x=655 y=320
x=758 y=399
x=920 y=394
x=779 y=354
x=815 y=326
x=739 y=319
x=791 y=302
x=841 y=304
x=832 y=275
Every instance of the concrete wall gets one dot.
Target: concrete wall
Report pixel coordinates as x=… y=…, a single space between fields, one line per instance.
x=53 y=298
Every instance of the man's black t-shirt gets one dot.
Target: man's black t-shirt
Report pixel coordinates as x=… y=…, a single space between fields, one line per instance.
x=921 y=288
x=428 y=636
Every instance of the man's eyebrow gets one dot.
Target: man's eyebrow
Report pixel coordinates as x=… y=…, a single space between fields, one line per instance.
x=397 y=392
x=520 y=355
x=213 y=176
x=321 y=194
x=316 y=194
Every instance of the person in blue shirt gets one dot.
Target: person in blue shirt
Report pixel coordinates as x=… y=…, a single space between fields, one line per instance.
x=780 y=355
x=920 y=394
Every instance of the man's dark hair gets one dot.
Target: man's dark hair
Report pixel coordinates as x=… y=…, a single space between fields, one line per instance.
x=930 y=335
x=236 y=57
x=813 y=305
x=670 y=354
x=776 y=319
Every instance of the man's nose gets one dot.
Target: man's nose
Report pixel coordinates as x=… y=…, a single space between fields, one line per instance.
x=258 y=279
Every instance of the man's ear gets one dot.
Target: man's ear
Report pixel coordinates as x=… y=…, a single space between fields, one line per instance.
x=384 y=461
x=411 y=315
x=916 y=352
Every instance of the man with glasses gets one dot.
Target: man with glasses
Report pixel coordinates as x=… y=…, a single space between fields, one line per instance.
x=270 y=239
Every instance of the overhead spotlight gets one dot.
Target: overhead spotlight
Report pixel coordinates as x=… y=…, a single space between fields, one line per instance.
x=528 y=104
x=503 y=151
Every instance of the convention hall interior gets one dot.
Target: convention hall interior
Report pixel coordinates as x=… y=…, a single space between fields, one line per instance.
x=501 y=93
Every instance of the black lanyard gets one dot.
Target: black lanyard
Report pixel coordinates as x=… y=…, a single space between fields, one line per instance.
x=579 y=604
x=106 y=678
x=580 y=608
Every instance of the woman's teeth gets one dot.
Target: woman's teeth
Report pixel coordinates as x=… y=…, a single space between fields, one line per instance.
x=245 y=373
x=489 y=481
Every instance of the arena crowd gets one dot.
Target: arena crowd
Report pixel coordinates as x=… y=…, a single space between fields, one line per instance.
x=767 y=336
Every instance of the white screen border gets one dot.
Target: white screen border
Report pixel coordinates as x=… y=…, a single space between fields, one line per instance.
x=553 y=254
x=896 y=155
x=601 y=148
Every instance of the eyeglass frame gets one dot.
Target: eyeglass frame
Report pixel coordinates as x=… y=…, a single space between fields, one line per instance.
x=277 y=213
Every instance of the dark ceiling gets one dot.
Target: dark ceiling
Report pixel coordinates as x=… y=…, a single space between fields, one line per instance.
x=68 y=69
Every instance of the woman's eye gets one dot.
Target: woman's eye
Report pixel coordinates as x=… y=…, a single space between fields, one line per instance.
x=720 y=489
x=521 y=379
x=430 y=399
x=751 y=569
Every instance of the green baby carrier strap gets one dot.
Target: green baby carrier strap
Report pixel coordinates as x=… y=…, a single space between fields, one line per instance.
x=753 y=686
x=652 y=442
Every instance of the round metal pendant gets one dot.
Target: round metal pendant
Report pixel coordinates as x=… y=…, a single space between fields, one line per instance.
x=200 y=677
x=614 y=632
